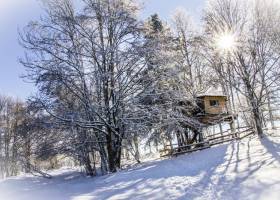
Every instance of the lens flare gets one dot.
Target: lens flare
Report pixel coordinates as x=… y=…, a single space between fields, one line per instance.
x=226 y=42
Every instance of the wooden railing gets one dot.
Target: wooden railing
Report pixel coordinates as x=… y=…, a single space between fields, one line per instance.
x=227 y=131
x=208 y=142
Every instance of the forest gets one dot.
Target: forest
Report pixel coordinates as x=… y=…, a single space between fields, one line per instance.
x=111 y=83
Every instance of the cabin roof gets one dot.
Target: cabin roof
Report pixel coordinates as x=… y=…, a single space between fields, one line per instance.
x=211 y=95
x=212 y=92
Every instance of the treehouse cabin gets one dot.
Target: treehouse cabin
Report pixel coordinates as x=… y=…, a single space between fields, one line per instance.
x=213 y=109
x=212 y=105
x=210 y=110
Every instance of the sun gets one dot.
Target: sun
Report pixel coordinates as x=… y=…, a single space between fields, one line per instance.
x=226 y=42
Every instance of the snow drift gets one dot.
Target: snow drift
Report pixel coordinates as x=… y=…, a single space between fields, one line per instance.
x=246 y=169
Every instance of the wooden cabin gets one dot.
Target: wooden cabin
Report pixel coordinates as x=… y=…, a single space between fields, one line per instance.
x=213 y=109
x=212 y=104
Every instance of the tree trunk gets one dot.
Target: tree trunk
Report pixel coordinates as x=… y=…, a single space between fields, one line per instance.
x=89 y=169
x=232 y=126
x=255 y=108
x=27 y=155
x=258 y=122
x=111 y=155
x=271 y=118
x=221 y=128
x=256 y=114
x=137 y=154
x=197 y=133
x=179 y=139
x=200 y=136
x=103 y=159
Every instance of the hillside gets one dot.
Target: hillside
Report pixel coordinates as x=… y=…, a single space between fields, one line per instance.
x=247 y=169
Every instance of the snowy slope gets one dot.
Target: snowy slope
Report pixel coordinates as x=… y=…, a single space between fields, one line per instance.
x=247 y=169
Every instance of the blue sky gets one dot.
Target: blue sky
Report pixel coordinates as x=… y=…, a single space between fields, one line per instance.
x=16 y=14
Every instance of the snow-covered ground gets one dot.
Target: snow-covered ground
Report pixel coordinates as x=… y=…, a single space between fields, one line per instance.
x=247 y=169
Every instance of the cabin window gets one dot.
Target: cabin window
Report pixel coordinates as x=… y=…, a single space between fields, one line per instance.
x=214 y=103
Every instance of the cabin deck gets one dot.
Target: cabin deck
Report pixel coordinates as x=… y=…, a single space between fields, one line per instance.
x=212 y=119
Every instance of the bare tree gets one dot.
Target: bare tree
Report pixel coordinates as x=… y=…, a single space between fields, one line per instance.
x=251 y=64
x=96 y=58
x=195 y=74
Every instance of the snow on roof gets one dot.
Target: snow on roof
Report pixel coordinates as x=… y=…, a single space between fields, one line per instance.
x=212 y=92
x=211 y=95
